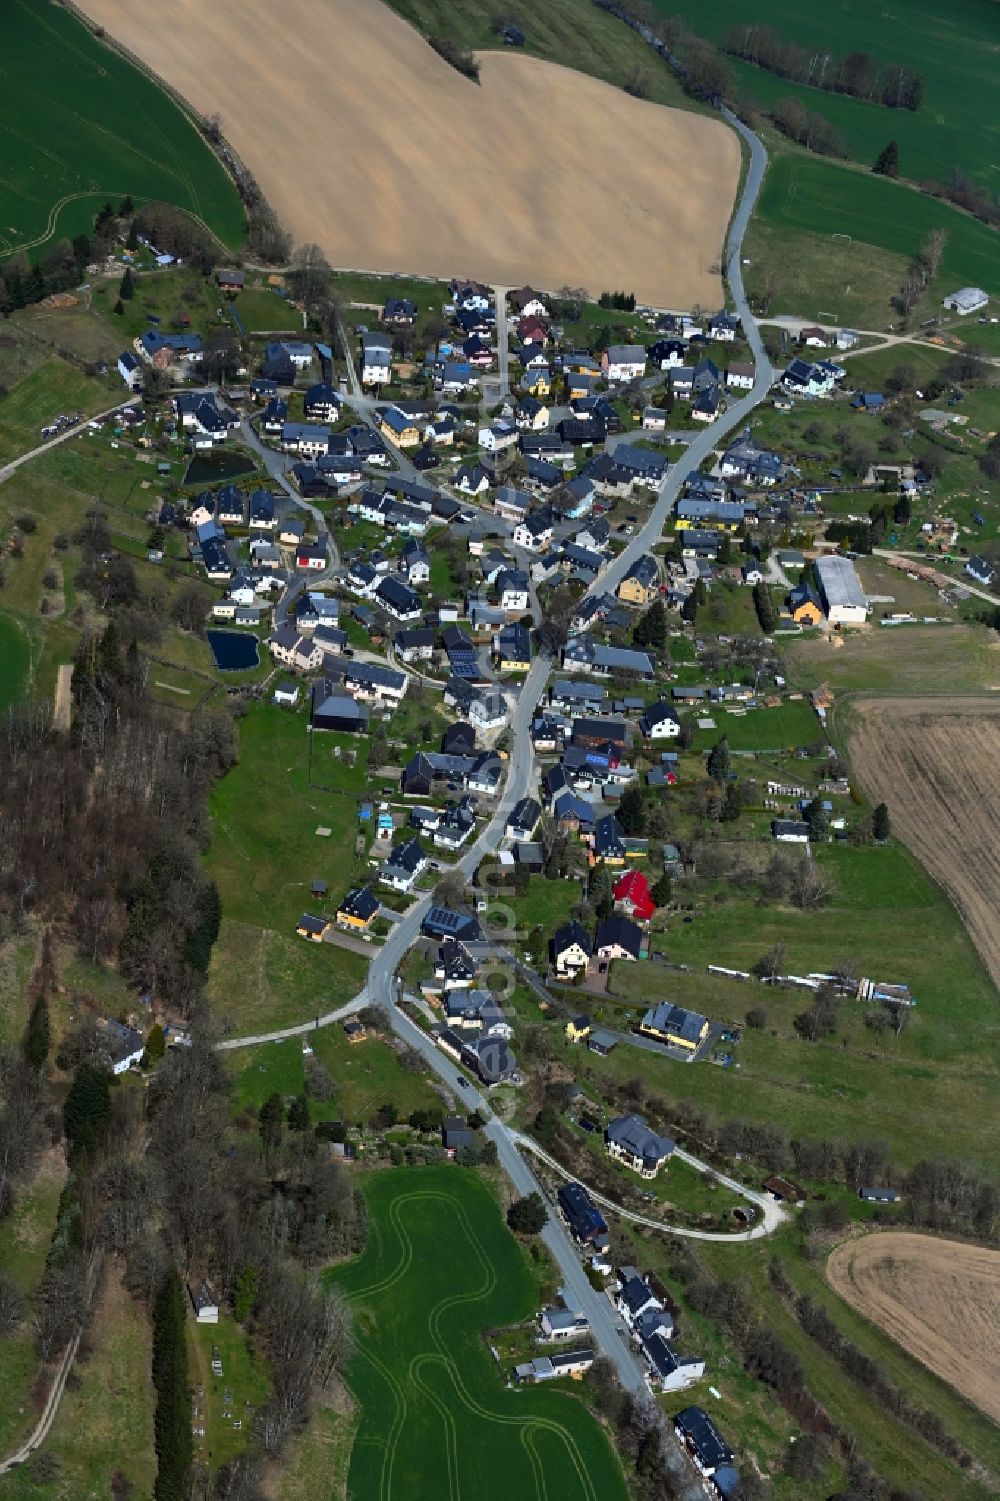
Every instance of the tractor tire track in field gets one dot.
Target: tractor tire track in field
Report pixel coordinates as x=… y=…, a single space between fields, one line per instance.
x=529 y=1427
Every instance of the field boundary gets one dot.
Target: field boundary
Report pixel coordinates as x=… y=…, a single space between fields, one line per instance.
x=231 y=166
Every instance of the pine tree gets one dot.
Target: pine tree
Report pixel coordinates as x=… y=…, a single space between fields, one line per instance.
x=156 y=1045
x=201 y=939
x=819 y=824
x=881 y=823
x=663 y=892
x=38 y=1035
x=719 y=761
x=87 y=1110
x=126 y=207
x=689 y=609
x=632 y=811
x=119 y=307
x=271 y=1117
x=81 y=250
x=651 y=628
x=764 y=605
x=887 y=161
x=298 y=1114
x=127 y=289
x=172 y=1423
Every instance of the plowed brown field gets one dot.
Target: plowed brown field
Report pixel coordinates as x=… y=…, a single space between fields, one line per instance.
x=939 y=1299
x=935 y=762
x=369 y=144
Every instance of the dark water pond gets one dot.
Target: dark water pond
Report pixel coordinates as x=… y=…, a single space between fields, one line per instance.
x=233 y=652
x=206 y=468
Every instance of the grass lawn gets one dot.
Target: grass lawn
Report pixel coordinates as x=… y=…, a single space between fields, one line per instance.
x=260 y=979
x=105 y=1420
x=545 y=903
x=265 y=852
x=261 y=310
x=15 y=660
x=571 y=32
x=893 y=922
x=441 y=1267
x=953 y=50
x=49 y=390
x=792 y=724
x=17 y=959
x=870 y=370
x=806 y=192
x=244 y=1378
x=25 y=1236
x=169 y=294
x=921 y=659
x=82 y=125
x=366 y=1075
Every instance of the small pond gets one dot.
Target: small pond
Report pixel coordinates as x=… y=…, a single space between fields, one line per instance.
x=232 y=651
x=207 y=468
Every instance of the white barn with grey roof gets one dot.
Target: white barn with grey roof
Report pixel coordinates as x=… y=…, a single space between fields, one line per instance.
x=843 y=598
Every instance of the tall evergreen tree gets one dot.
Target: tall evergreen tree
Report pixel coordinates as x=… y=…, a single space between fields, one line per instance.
x=887 y=161
x=719 y=761
x=881 y=823
x=172 y=1423
x=127 y=289
x=38 y=1035
x=87 y=1110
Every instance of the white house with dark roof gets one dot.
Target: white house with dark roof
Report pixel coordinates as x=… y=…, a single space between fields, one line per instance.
x=631 y=1141
x=624 y=362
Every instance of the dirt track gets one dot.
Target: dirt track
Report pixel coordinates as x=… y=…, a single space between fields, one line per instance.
x=367 y=143
x=939 y=1299
x=936 y=763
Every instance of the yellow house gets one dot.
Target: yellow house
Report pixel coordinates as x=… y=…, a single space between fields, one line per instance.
x=358 y=910
x=675 y=1025
x=578 y=1029
x=313 y=928
x=397 y=428
x=804 y=607
x=641 y=584
x=538 y=383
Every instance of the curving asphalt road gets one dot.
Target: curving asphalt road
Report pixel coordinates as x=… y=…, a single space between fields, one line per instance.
x=771 y=1211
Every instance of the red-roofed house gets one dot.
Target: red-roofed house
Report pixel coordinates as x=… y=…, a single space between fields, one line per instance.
x=632 y=896
x=532 y=331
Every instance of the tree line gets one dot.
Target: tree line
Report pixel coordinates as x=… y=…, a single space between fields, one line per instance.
x=858 y=74
x=863 y=1370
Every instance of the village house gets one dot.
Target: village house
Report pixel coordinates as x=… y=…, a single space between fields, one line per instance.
x=405 y=863
x=632 y=896
x=623 y=362
x=630 y=1140
x=376 y=359
x=618 y=938
x=312 y=928
x=641 y=584
x=571 y=949
x=675 y=1025
x=358 y=910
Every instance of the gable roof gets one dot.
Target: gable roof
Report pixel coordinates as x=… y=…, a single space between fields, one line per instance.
x=621 y=932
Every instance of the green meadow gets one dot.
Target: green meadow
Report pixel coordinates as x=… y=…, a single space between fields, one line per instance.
x=79 y=124
x=439 y=1269
x=953 y=47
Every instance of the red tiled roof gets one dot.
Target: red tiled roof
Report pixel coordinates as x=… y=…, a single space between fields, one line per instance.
x=634 y=887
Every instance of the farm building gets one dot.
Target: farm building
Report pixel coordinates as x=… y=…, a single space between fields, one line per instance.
x=844 y=600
